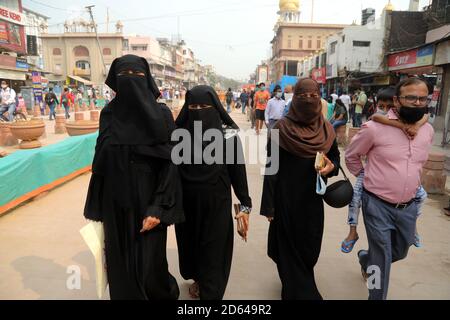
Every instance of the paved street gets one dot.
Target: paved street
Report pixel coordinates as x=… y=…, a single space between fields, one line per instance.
x=40 y=240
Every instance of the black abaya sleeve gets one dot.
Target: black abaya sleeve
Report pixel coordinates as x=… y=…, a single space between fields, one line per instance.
x=238 y=173
x=93 y=207
x=335 y=156
x=166 y=203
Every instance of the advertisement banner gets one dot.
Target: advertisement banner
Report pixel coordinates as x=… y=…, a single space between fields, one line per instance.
x=37 y=86
x=12 y=30
x=3 y=32
x=319 y=74
x=411 y=59
x=403 y=60
x=263 y=74
x=21 y=63
x=12 y=16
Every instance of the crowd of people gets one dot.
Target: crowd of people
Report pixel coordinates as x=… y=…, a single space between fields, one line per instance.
x=12 y=102
x=137 y=190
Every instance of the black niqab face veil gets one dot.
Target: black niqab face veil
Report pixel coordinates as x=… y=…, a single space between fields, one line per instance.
x=137 y=118
x=211 y=118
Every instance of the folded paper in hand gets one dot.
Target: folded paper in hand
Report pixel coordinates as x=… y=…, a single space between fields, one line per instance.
x=94 y=236
x=320 y=161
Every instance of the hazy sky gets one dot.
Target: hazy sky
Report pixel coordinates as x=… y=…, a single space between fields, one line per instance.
x=232 y=35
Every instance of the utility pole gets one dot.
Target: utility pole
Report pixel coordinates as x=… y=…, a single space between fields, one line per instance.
x=89 y=8
x=107 y=20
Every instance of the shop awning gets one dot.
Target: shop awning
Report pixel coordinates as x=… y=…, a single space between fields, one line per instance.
x=82 y=80
x=12 y=75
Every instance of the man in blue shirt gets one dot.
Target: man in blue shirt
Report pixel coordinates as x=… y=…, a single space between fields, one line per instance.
x=244 y=100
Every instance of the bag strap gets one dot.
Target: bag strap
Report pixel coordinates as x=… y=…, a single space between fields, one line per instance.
x=343 y=172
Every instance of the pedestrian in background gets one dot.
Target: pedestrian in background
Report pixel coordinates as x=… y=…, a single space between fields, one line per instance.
x=252 y=107
x=244 y=100
x=65 y=102
x=262 y=97
x=229 y=99
x=275 y=108
x=8 y=100
x=52 y=101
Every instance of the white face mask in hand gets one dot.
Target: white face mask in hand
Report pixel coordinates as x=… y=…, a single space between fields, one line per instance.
x=321 y=187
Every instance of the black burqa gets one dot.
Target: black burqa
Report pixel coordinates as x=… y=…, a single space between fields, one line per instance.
x=205 y=240
x=133 y=178
x=295 y=234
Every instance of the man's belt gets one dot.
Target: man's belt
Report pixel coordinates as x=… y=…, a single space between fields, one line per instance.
x=394 y=205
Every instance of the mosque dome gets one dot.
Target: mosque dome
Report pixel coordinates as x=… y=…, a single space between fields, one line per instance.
x=389 y=6
x=290 y=5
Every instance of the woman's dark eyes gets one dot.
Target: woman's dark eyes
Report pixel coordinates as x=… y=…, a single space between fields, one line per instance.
x=136 y=73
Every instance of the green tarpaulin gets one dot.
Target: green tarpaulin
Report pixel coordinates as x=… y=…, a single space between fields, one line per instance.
x=27 y=170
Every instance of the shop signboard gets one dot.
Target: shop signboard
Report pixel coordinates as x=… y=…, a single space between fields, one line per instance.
x=420 y=57
x=12 y=30
x=37 y=86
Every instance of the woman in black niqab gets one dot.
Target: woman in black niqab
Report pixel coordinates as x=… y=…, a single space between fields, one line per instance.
x=135 y=189
x=205 y=240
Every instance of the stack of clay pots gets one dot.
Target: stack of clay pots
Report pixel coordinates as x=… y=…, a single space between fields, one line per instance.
x=434 y=176
x=6 y=137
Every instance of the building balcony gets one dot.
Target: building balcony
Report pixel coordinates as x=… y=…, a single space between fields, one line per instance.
x=81 y=72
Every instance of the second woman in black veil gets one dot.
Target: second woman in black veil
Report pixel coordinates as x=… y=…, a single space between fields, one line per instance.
x=205 y=240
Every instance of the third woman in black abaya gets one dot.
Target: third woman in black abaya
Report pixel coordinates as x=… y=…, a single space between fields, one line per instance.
x=135 y=188
x=289 y=197
x=205 y=240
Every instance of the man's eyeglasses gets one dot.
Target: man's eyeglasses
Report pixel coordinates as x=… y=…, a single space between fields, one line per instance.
x=412 y=99
x=308 y=95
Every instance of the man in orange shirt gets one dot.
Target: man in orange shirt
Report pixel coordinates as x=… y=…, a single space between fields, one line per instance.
x=262 y=97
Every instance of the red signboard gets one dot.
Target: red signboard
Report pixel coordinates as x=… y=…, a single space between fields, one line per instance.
x=403 y=60
x=320 y=75
x=12 y=30
x=12 y=16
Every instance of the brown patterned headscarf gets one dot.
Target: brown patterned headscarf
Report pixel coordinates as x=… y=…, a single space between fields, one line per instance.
x=304 y=131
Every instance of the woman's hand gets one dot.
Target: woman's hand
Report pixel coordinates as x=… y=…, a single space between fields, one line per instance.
x=149 y=223
x=244 y=218
x=329 y=167
x=270 y=219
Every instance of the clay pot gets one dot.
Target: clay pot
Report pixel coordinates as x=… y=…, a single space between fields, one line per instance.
x=79 y=116
x=95 y=115
x=60 y=127
x=29 y=132
x=81 y=127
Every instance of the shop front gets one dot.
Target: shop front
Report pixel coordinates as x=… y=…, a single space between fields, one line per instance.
x=442 y=61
